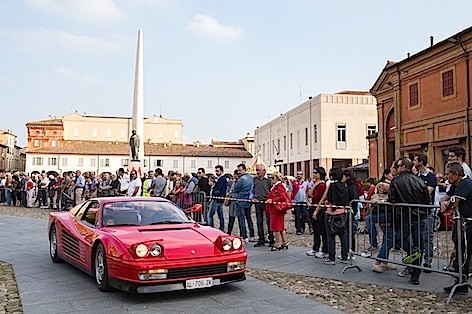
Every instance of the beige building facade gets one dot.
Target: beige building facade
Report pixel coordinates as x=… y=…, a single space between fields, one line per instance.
x=104 y=156
x=12 y=156
x=328 y=130
x=100 y=128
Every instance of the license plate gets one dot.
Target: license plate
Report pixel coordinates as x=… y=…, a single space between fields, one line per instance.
x=198 y=283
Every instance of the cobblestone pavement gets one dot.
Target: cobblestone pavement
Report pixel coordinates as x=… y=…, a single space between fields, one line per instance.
x=347 y=296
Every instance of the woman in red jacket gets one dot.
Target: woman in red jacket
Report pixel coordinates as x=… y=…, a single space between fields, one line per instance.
x=277 y=194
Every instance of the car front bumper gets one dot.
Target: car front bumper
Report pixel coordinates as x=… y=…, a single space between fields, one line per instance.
x=176 y=285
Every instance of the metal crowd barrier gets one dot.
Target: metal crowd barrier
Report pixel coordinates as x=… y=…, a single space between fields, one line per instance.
x=411 y=231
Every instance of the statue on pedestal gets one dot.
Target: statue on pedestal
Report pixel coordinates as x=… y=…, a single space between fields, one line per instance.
x=134 y=142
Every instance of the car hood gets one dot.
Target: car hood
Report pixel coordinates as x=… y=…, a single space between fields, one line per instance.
x=179 y=241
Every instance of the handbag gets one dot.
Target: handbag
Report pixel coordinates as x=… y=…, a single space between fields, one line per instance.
x=337 y=223
x=284 y=205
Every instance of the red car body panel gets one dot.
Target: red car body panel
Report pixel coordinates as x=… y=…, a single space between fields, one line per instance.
x=185 y=246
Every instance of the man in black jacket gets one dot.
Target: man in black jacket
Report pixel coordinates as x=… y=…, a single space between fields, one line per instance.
x=407 y=188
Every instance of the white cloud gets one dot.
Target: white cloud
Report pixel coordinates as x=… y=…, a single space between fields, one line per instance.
x=97 y=11
x=207 y=26
x=43 y=39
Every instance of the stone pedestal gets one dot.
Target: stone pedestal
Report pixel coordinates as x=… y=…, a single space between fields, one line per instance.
x=136 y=165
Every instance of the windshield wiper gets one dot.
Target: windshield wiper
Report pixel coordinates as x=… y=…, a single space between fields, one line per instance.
x=167 y=222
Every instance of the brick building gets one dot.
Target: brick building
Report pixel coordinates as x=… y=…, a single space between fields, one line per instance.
x=423 y=104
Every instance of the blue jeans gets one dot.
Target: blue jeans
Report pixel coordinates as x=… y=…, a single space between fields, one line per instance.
x=216 y=207
x=371 y=229
x=8 y=198
x=388 y=234
x=240 y=213
x=426 y=227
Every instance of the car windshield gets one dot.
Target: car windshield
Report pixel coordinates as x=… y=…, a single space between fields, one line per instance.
x=142 y=213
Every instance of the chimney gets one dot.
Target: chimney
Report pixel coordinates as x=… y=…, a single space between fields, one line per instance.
x=408 y=55
x=431 y=40
x=196 y=143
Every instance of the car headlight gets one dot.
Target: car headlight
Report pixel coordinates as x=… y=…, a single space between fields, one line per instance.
x=237 y=243
x=141 y=250
x=156 y=250
x=227 y=245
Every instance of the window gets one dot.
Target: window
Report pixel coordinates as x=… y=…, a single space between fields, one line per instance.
x=122 y=133
x=37 y=161
x=291 y=141
x=298 y=141
x=274 y=149
x=210 y=164
x=64 y=161
x=52 y=161
x=306 y=136
x=76 y=132
x=93 y=162
x=193 y=163
x=175 y=163
x=315 y=133
x=341 y=136
x=447 y=83
x=414 y=97
x=53 y=143
x=285 y=143
x=37 y=143
x=157 y=163
x=125 y=162
x=104 y=162
x=108 y=133
x=371 y=129
x=227 y=164
x=94 y=132
x=278 y=146
x=81 y=162
x=341 y=132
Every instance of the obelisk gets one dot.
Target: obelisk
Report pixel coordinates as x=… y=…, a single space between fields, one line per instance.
x=138 y=115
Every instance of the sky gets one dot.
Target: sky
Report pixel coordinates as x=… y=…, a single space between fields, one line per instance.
x=222 y=67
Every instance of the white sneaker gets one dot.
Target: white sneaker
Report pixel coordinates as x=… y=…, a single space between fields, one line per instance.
x=252 y=239
x=311 y=252
x=404 y=273
x=246 y=240
x=321 y=255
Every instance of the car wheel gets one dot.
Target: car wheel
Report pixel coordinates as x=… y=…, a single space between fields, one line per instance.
x=53 y=245
x=100 y=269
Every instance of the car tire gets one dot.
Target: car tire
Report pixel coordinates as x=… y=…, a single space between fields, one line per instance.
x=53 y=245
x=100 y=269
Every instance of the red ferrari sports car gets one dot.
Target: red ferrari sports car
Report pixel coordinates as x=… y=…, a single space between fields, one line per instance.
x=144 y=245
